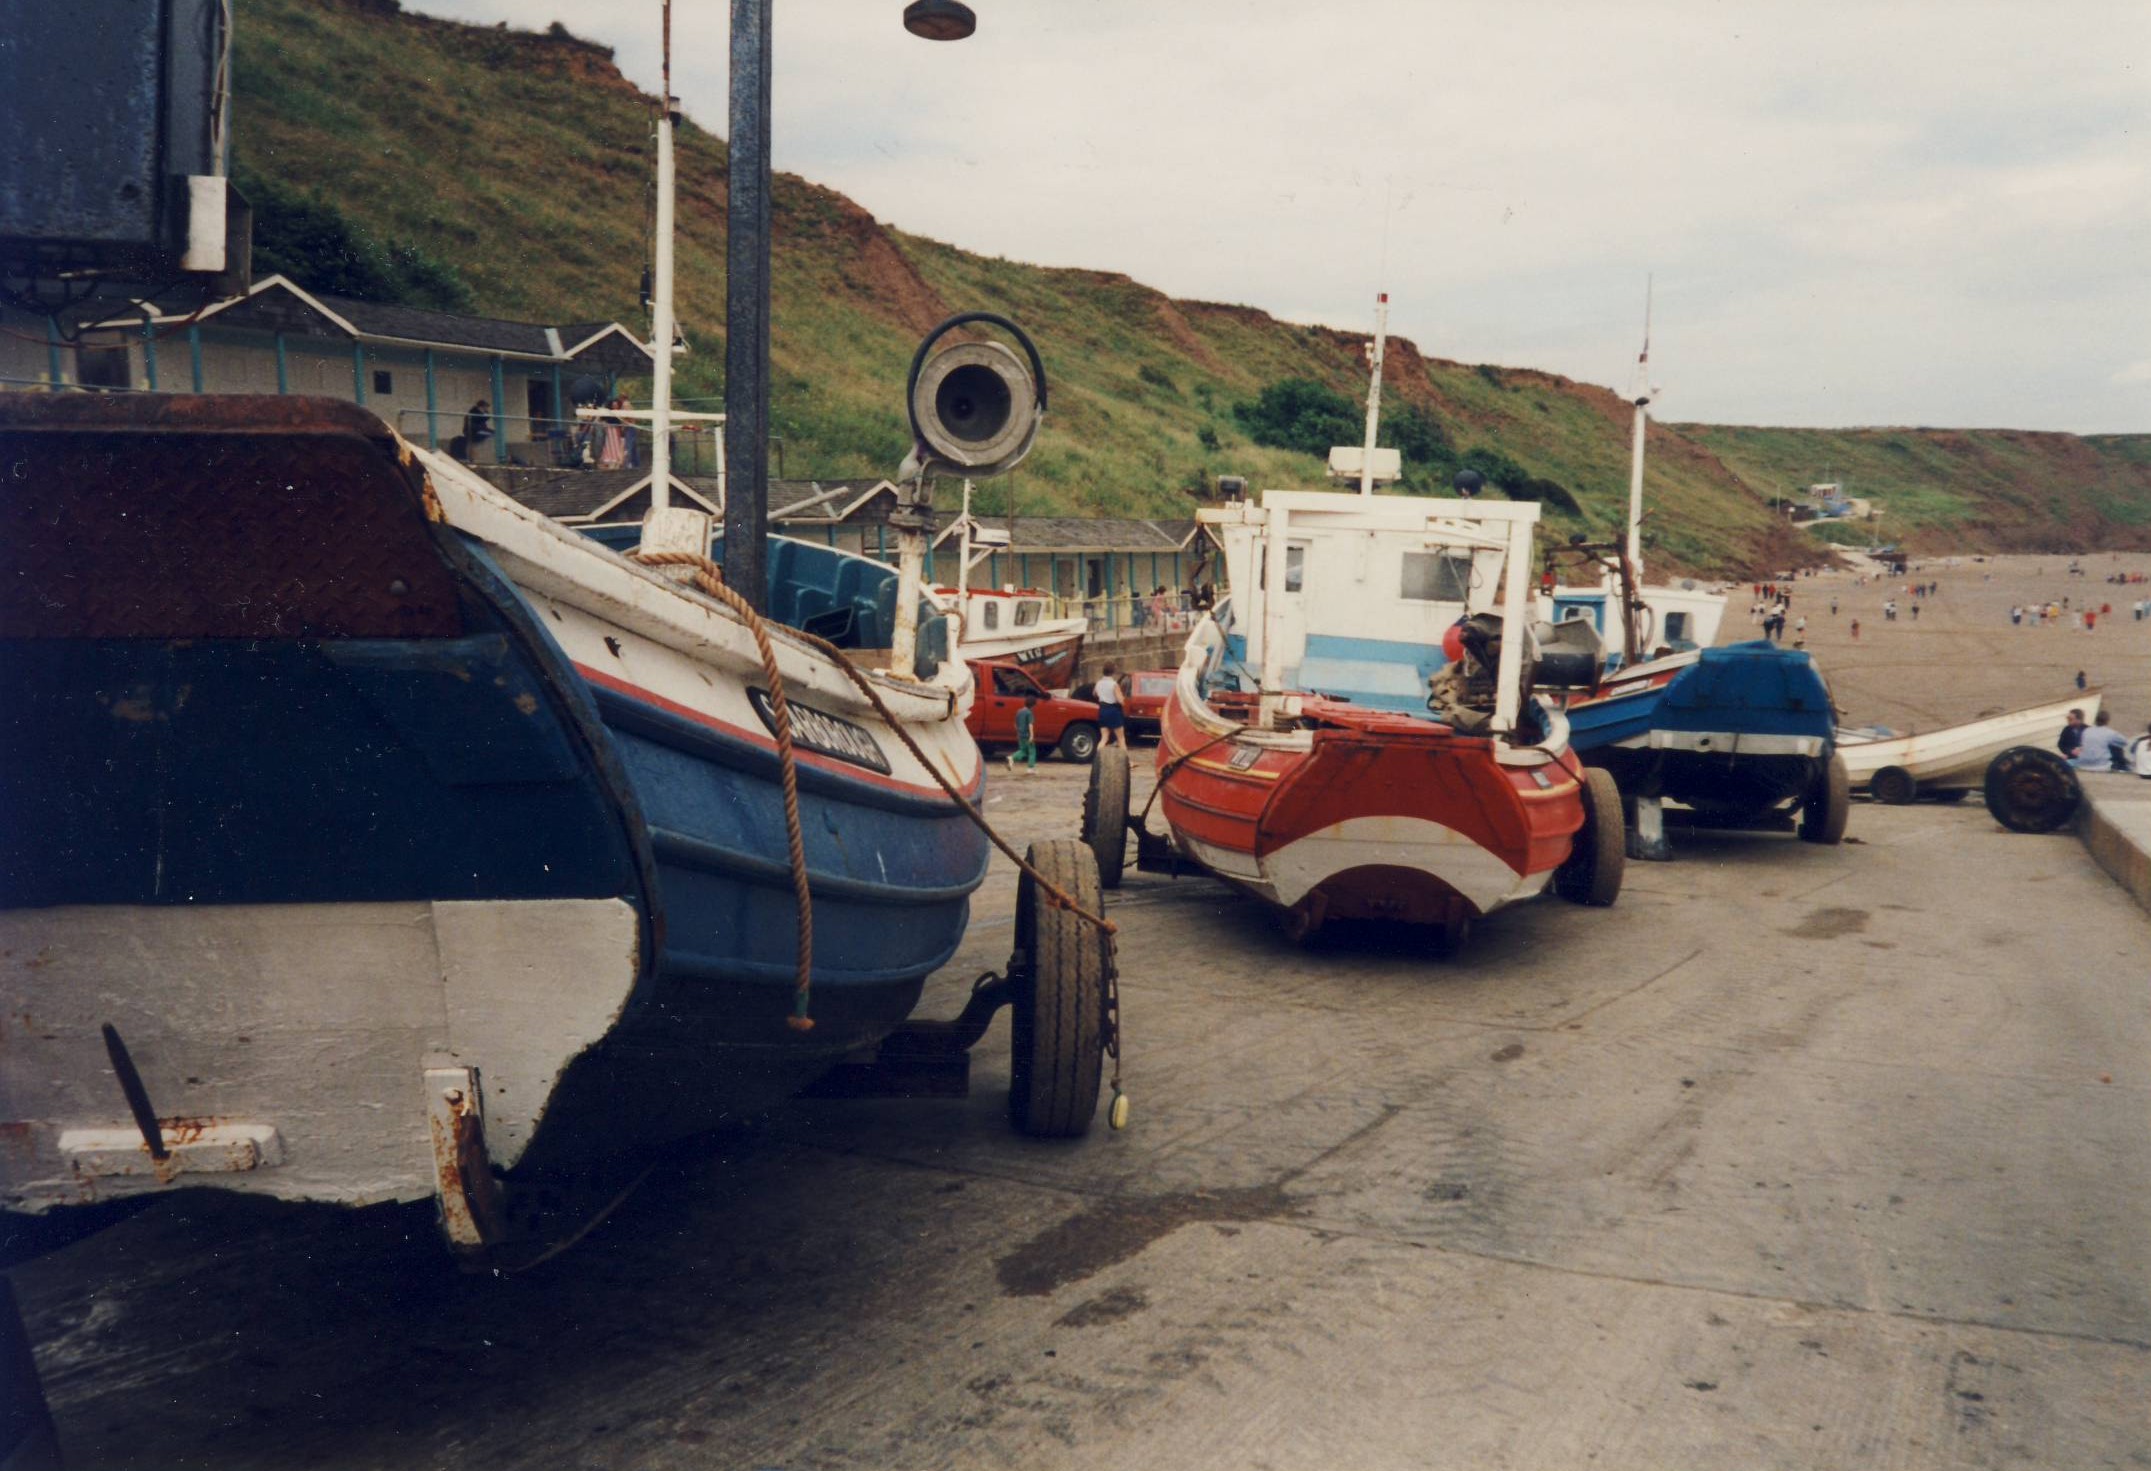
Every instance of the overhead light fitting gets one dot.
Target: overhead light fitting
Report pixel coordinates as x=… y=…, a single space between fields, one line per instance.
x=939 y=20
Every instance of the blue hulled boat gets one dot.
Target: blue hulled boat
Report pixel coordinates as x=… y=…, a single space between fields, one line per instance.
x=331 y=778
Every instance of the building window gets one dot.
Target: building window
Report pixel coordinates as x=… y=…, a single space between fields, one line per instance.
x=383 y=381
x=1436 y=577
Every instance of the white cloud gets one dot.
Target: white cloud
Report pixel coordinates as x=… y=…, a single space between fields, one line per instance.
x=1856 y=212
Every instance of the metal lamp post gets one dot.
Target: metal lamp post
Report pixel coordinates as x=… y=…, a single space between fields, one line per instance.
x=747 y=222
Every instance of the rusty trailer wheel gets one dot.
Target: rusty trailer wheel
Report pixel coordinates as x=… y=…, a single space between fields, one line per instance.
x=1057 y=1036
x=1599 y=856
x=2032 y=790
x=1105 y=813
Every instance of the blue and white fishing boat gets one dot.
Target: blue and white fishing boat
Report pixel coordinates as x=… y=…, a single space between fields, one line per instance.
x=1738 y=733
x=366 y=835
x=335 y=782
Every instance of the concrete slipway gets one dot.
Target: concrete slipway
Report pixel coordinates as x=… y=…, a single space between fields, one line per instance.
x=1797 y=1157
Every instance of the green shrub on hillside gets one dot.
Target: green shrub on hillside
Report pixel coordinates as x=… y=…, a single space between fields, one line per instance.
x=1299 y=414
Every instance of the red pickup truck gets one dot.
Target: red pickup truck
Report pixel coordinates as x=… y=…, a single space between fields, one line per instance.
x=1057 y=722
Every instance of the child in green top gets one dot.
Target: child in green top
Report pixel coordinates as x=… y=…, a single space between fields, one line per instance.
x=1026 y=749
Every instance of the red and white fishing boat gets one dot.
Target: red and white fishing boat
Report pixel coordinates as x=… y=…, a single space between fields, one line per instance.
x=1354 y=732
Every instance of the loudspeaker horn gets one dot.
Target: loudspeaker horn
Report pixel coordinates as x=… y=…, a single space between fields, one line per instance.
x=975 y=407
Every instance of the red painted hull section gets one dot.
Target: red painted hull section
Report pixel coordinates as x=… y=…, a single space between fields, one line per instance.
x=1369 y=764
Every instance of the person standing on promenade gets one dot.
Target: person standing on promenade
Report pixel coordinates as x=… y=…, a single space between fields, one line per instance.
x=1112 y=717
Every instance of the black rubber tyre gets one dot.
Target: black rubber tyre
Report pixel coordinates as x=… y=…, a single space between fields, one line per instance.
x=1079 y=742
x=2032 y=790
x=1057 y=1036
x=1893 y=786
x=1824 y=811
x=1599 y=857
x=1105 y=813
x=1949 y=794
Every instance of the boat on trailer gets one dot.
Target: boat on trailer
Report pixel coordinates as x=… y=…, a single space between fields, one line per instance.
x=1739 y=733
x=336 y=780
x=1946 y=764
x=1355 y=731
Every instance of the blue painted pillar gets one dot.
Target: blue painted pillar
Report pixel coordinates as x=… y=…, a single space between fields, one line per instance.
x=500 y=411
x=1107 y=568
x=433 y=406
x=1023 y=568
x=194 y=355
x=149 y=352
x=52 y=353
x=358 y=372
x=283 y=368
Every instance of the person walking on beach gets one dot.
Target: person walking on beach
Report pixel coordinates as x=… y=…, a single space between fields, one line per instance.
x=1112 y=717
x=1026 y=748
x=1855 y=630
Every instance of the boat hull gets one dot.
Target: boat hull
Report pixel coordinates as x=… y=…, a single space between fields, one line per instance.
x=1389 y=819
x=1733 y=730
x=1052 y=663
x=353 y=771
x=1956 y=757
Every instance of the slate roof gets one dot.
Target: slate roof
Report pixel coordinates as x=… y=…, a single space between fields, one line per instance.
x=1093 y=533
x=274 y=301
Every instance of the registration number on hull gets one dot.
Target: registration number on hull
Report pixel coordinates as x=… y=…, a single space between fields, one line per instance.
x=823 y=733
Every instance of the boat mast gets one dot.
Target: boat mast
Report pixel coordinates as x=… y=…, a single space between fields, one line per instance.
x=1641 y=397
x=661 y=328
x=1374 y=392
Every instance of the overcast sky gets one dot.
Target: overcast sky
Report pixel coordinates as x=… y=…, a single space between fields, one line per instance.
x=1856 y=213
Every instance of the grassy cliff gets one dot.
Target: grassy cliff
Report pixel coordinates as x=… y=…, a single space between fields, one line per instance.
x=510 y=170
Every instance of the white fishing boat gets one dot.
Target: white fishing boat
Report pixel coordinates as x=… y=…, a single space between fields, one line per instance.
x=1012 y=624
x=1949 y=762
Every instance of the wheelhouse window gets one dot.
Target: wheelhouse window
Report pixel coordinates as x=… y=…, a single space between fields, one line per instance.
x=1436 y=577
x=989 y=614
x=1027 y=612
x=1676 y=630
x=1295 y=569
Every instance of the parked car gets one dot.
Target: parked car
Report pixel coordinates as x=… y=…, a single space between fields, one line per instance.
x=1144 y=694
x=1059 y=722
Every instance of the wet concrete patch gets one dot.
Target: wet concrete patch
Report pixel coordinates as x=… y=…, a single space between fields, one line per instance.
x=1113 y=1231
x=1828 y=924
x=1107 y=1307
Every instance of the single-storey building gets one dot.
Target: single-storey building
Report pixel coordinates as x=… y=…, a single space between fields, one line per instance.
x=1102 y=565
x=422 y=371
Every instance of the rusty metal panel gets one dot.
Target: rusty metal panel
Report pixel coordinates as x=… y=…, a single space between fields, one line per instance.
x=131 y=516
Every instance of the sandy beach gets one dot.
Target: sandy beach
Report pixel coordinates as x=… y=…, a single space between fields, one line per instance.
x=1961 y=657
